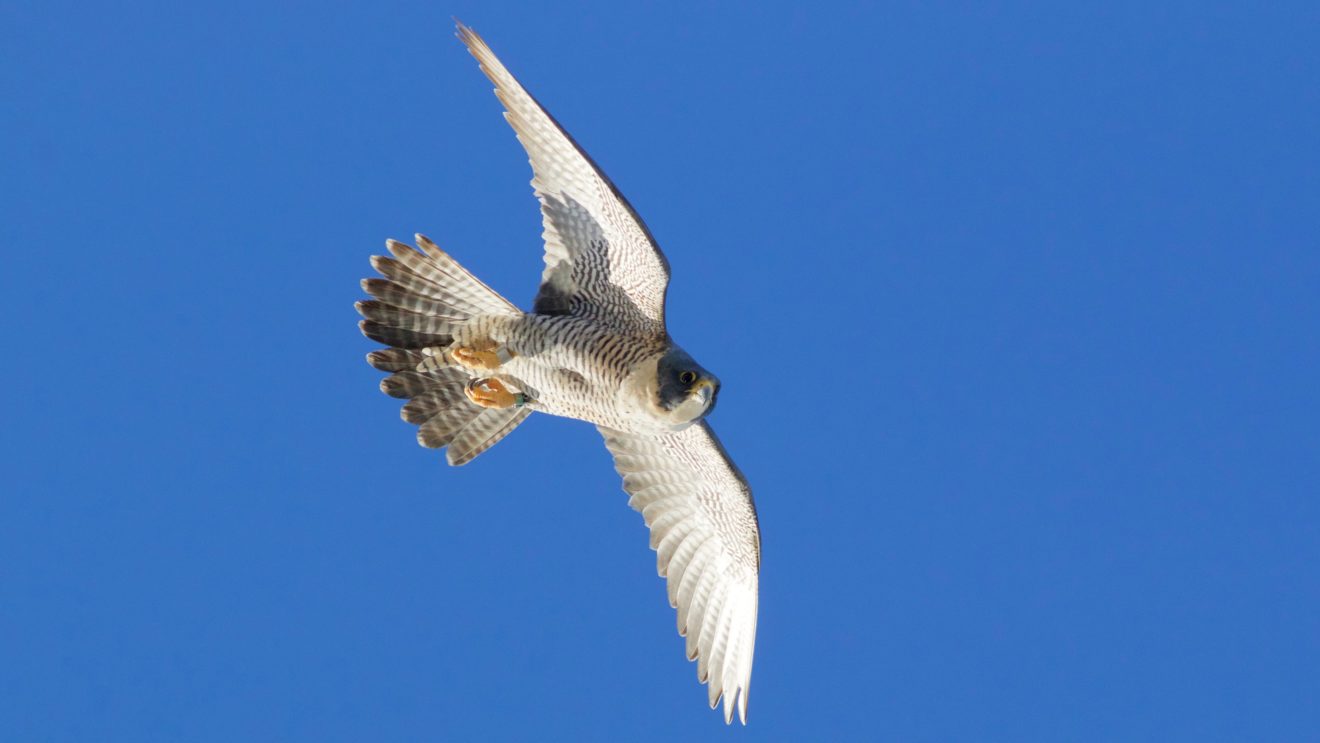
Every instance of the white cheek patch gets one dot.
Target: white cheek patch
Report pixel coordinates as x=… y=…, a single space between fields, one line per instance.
x=639 y=390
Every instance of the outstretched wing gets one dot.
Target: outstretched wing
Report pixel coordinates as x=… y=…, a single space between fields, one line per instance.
x=707 y=542
x=600 y=259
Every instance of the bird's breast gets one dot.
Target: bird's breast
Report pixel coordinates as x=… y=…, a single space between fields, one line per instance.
x=577 y=369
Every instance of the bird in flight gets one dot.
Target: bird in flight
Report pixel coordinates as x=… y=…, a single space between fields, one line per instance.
x=594 y=347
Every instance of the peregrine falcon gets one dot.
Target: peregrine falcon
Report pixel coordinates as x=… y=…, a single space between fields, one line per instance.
x=472 y=366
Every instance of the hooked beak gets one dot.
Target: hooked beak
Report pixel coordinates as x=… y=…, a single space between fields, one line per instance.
x=696 y=403
x=706 y=389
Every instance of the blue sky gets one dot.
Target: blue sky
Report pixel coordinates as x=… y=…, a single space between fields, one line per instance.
x=1017 y=310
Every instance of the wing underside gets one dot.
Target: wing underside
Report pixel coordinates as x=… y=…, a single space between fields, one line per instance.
x=600 y=258
x=707 y=542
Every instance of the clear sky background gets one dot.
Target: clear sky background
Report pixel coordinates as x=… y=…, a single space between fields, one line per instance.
x=1017 y=310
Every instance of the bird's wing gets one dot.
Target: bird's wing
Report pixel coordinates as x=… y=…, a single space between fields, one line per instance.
x=600 y=259
x=708 y=545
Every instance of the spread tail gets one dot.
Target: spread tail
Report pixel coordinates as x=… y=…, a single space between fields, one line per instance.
x=422 y=299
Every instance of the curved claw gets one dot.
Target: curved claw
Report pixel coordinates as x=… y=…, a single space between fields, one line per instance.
x=489 y=392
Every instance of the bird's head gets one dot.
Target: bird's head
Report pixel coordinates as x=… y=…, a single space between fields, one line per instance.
x=684 y=390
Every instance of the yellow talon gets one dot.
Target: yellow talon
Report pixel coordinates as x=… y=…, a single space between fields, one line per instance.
x=491 y=393
x=476 y=359
x=485 y=355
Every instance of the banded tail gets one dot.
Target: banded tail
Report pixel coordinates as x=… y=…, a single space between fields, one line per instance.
x=422 y=300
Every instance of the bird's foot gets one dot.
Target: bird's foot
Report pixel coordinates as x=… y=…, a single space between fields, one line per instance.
x=480 y=356
x=490 y=392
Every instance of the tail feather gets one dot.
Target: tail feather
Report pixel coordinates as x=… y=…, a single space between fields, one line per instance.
x=423 y=300
x=452 y=277
x=408 y=384
x=455 y=301
x=399 y=274
x=436 y=286
x=464 y=278
x=424 y=407
x=484 y=432
x=395 y=359
x=443 y=427
x=402 y=337
x=387 y=314
x=391 y=293
x=430 y=403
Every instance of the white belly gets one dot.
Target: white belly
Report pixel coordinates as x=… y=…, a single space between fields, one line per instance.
x=573 y=369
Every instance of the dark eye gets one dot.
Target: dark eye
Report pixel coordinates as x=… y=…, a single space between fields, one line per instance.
x=687 y=377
